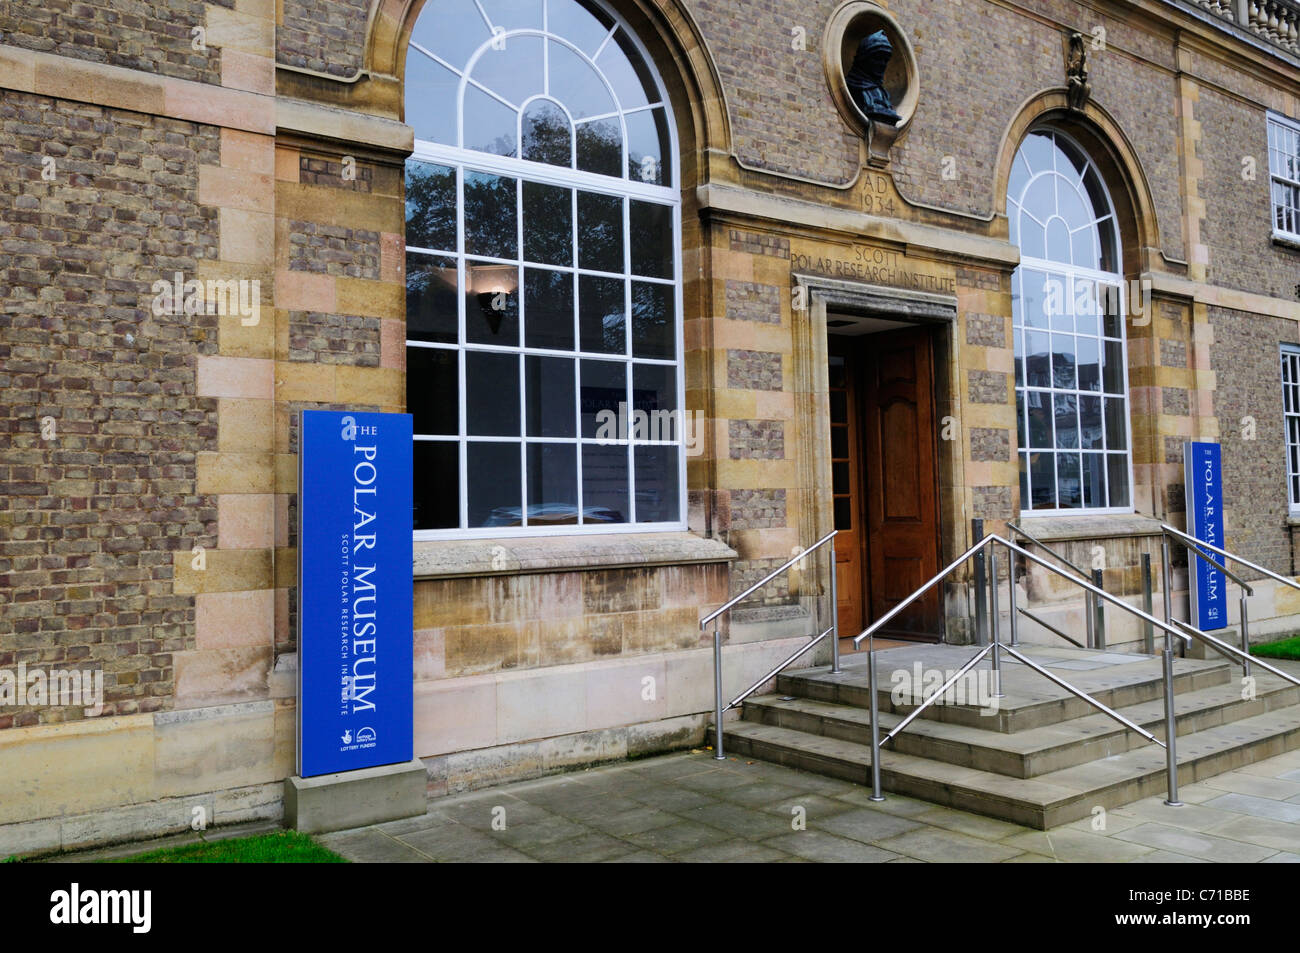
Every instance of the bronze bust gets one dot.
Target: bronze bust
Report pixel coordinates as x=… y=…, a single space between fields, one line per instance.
x=866 y=79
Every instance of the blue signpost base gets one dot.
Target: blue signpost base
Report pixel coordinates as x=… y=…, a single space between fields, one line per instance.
x=336 y=802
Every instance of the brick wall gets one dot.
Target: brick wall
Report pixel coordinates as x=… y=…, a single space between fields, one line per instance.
x=1246 y=363
x=324 y=35
x=92 y=516
x=1237 y=227
x=153 y=36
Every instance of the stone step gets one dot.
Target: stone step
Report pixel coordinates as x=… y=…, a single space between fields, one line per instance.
x=1035 y=751
x=1042 y=802
x=1116 y=680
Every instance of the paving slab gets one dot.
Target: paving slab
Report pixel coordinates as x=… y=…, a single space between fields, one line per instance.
x=1198 y=844
x=828 y=848
x=1257 y=807
x=935 y=845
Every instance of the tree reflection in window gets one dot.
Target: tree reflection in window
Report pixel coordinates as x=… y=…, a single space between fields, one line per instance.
x=1067 y=317
x=543 y=270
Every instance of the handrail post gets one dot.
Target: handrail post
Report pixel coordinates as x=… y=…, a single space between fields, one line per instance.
x=1245 y=636
x=1149 y=631
x=717 y=694
x=1099 y=607
x=835 y=615
x=1090 y=618
x=993 y=622
x=981 y=605
x=1171 y=728
x=875 y=726
x=1011 y=597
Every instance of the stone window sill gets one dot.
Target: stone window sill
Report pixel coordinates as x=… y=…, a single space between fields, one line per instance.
x=1286 y=241
x=1109 y=526
x=442 y=559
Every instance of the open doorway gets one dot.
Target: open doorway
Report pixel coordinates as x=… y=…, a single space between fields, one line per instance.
x=884 y=472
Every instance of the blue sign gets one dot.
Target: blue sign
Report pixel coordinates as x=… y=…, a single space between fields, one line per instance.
x=355 y=663
x=1203 y=473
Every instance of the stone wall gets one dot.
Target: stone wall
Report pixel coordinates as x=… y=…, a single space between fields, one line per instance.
x=102 y=417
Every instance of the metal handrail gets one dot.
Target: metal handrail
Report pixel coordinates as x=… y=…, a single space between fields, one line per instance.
x=1195 y=549
x=772 y=674
x=766 y=579
x=1171 y=759
x=1050 y=628
x=1178 y=534
x=1091 y=617
x=869 y=632
x=1047 y=549
x=1225 y=649
x=718 y=709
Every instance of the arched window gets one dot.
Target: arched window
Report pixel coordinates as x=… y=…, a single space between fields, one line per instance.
x=1068 y=315
x=543 y=274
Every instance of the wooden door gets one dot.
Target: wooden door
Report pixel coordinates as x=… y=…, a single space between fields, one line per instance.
x=846 y=486
x=901 y=477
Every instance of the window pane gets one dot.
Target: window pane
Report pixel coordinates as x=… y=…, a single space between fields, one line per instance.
x=1089 y=358
x=600 y=147
x=839 y=442
x=514 y=14
x=604 y=484
x=514 y=71
x=654 y=391
x=1033 y=290
x=626 y=71
x=651 y=233
x=1112 y=373
x=1038 y=359
x=1063 y=361
x=1020 y=420
x=1090 y=423
x=657 y=496
x=548 y=309
x=1067 y=427
x=1116 y=424
x=489 y=124
x=430 y=87
x=604 y=399
x=1069 y=492
x=602 y=315
x=649 y=154
x=433 y=390
x=1087 y=306
x=600 y=232
x=547 y=135
x=1117 y=477
x=1040 y=418
x=490 y=220
x=548 y=224
x=436 y=468
x=1042 y=476
x=431 y=312
x=492 y=394
x=576 y=84
x=493 y=481
x=653 y=328
x=492 y=304
x=583 y=27
x=430 y=206
x=1094 y=480
x=552 y=484
x=454 y=33
x=549 y=397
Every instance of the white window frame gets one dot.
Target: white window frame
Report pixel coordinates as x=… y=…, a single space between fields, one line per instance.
x=1070 y=272
x=1291 y=423
x=627 y=189
x=1280 y=126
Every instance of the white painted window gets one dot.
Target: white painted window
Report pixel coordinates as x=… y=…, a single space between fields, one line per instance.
x=1291 y=422
x=544 y=332
x=1284 y=175
x=1068 y=321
